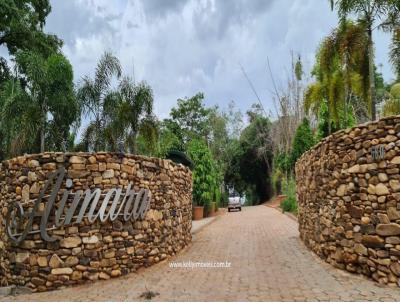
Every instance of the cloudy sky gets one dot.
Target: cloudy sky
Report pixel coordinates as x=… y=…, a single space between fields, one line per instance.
x=181 y=47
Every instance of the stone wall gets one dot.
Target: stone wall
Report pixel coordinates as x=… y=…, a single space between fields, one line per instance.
x=89 y=251
x=348 y=192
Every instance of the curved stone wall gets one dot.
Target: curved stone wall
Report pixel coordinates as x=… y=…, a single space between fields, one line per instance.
x=348 y=190
x=69 y=218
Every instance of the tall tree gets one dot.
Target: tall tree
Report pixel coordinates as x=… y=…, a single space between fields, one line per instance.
x=205 y=180
x=251 y=160
x=381 y=14
x=395 y=52
x=130 y=113
x=219 y=138
x=93 y=94
x=4 y=70
x=288 y=106
x=119 y=114
x=341 y=83
x=303 y=141
x=39 y=107
x=21 y=27
x=190 y=119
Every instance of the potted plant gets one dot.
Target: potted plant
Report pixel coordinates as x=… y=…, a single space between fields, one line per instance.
x=198 y=212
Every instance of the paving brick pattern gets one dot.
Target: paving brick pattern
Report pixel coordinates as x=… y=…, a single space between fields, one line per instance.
x=269 y=263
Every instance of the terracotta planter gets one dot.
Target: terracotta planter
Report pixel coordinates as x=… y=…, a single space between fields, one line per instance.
x=198 y=213
x=212 y=209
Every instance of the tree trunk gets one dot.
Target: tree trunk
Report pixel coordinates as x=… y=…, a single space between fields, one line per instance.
x=371 y=72
x=329 y=119
x=346 y=93
x=42 y=140
x=44 y=114
x=42 y=129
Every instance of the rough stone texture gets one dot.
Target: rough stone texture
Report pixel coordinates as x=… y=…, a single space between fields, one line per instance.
x=87 y=252
x=269 y=264
x=349 y=205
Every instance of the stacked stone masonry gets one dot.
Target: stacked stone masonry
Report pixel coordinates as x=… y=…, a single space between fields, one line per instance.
x=86 y=251
x=349 y=200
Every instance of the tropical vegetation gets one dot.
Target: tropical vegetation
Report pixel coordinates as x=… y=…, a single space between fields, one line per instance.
x=43 y=109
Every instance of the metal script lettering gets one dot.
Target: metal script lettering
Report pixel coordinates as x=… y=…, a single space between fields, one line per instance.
x=128 y=204
x=378 y=152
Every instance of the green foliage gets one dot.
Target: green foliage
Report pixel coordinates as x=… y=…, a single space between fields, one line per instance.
x=282 y=162
x=21 y=29
x=190 y=119
x=217 y=195
x=277 y=178
x=303 y=140
x=167 y=141
x=21 y=26
x=95 y=96
x=374 y=14
x=224 y=199
x=251 y=159
x=39 y=108
x=341 y=74
x=205 y=182
x=252 y=197
x=344 y=121
x=289 y=204
x=195 y=129
x=218 y=138
x=298 y=69
x=392 y=104
x=122 y=118
x=4 y=71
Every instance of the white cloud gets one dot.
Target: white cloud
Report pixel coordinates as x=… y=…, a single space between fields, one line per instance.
x=181 y=47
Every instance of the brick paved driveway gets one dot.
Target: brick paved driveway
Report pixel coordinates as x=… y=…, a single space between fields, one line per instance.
x=269 y=263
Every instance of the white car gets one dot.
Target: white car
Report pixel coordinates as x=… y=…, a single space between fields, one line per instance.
x=234 y=203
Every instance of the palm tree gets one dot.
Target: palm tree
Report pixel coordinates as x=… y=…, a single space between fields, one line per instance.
x=120 y=114
x=351 y=47
x=93 y=94
x=129 y=112
x=386 y=13
x=339 y=74
x=395 y=52
x=38 y=105
x=20 y=119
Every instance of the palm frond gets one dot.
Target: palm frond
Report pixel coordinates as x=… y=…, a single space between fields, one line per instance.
x=107 y=67
x=312 y=97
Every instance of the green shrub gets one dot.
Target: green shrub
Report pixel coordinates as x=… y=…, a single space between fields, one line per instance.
x=277 y=177
x=290 y=202
x=282 y=162
x=217 y=197
x=204 y=174
x=252 y=197
x=303 y=140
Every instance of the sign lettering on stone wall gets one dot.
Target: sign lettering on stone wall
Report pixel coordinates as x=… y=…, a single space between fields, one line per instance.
x=378 y=152
x=63 y=208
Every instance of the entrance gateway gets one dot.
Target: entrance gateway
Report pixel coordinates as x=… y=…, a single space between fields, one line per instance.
x=72 y=218
x=129 y=205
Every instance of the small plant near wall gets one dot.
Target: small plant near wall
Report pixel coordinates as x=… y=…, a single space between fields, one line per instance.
x=289 y=204
x=204 y=174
